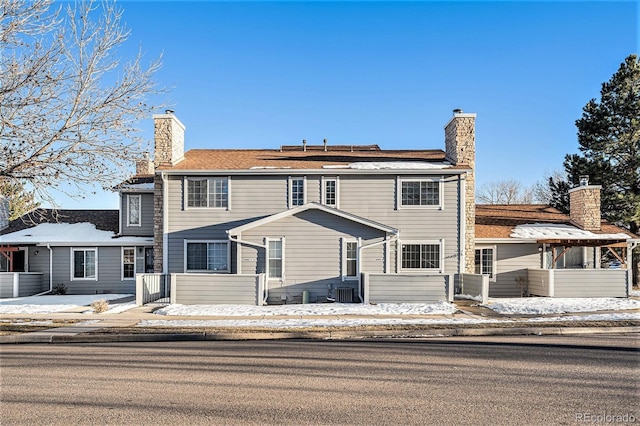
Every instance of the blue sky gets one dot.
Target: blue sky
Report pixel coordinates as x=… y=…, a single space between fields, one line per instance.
x=265 y=74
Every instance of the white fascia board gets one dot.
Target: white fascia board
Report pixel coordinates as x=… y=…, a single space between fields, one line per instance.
x=284 y=171
x=505 y=240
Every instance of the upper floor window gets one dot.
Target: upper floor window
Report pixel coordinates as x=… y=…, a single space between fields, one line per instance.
x=484 y=258
x=420 y=193
x=202 y=256
x=134 y=204
x=330 y=192
x=421 y=256
x=84 y=264
x=208 y=192
x=296 y=191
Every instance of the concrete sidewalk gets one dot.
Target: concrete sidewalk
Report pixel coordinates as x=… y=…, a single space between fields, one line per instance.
x=122 y=327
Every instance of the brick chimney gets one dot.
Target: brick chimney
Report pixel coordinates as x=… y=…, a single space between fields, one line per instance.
x=584 y=201
x=144 y=166
x=460 y=148
x=168 y=138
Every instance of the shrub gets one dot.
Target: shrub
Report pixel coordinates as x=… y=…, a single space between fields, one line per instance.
x=59 y=289
x=100 y=306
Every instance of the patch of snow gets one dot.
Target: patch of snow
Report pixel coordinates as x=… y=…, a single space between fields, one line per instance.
x=593 y=317
x=546 y=230
x=138 y=186
x=400 y=165
x=440 y=308
x=51 y=304
x=469 y=297
x=634 y=293
x=69 y=233
x=548 y=305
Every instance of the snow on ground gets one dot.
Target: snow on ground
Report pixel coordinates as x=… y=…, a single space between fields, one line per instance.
x=440 y=308
x=548 y=305
x=50 y=304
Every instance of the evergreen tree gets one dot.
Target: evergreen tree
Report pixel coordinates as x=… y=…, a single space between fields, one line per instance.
x=21 y=201
x=609 y=138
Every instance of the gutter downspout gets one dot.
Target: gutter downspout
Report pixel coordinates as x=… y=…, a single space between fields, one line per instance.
x=264 y=246
x=50 y=272
x=360 y=248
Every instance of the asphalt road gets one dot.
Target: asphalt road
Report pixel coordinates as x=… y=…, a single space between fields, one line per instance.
x=454 y=381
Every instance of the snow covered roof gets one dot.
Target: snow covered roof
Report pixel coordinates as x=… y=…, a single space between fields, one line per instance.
x=62 y=234
x=391 y=165
x=545 y=231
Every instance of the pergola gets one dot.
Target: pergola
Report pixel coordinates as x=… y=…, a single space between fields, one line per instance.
x=610 y=244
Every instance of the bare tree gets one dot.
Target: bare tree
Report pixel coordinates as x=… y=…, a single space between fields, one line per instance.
x=543 y=190
x=504 y=192
x=69 y=107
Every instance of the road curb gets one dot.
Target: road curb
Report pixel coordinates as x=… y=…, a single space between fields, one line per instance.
x=307 y=335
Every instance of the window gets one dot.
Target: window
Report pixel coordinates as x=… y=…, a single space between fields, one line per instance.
x=275 y=258
x=133 y=210
x=207 y=256
x=84 y=264
x=330 y=192
x=420 y=193
x=349 y=259
x=208 y=192
x=421 y=256
x=296 y=191
x=128 y=263
x=484 y=261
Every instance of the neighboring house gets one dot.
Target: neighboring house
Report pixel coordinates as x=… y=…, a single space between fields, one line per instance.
x=77 y=248
x=537 y=250
x=313 y=222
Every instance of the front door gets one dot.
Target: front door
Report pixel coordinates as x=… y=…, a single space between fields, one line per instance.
x=148 y=260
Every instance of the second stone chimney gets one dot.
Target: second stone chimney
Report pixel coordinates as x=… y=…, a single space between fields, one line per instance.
x=144 y=166
x=584 y=202
x=168 y=138
x=460 y=149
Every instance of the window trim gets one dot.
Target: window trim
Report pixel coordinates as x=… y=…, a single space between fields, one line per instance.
x=206 y=271
x=494 y=263
x=135 y=264
x=439 y=243
x=290 y=191
x=72 y=263
x=400 y=180
x=208 y=179
x=343 y=261
x=323 y=191
x=266 y=258
x=129 y=198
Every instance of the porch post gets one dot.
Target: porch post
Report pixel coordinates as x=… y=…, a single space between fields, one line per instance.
x=16 y=284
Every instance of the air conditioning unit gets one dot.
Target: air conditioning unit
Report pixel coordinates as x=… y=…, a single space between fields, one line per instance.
x=344 y=295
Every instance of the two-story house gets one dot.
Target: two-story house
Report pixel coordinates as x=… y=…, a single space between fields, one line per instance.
x=313 y=222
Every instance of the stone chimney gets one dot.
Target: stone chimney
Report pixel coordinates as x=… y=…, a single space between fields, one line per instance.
x=4 y=212
x=584 y=201
x=168 y=138
x=144 y=166
x=460 y=149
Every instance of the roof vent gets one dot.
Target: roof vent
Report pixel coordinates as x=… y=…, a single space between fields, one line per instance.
x=304 y=144
x=324 y=141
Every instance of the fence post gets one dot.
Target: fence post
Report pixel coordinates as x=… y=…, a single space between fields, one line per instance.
x=450 y=287
x=16 y=284
x=173 y=281
x=552 y=284
x=139 y=289
x=485 y=289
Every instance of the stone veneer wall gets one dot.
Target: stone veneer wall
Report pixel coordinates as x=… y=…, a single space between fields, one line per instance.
x=585 y=207
x=169 y=149
x=460 y=140
x=144 y=167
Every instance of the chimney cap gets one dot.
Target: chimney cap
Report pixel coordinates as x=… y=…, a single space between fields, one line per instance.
x=169 y=111
x=584 y=180
x=457 y=111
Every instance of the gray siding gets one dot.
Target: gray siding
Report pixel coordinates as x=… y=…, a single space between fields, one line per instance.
x=146 y=216
x=202 y=289
x=394 y=288
x=369 y=196
x=6 y=284
x=312 y=258
x=513 y=260
x=109 y=272
x=39 y=263
x=590 y=283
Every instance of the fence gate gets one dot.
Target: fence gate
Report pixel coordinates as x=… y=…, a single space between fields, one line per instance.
x=156 y=288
